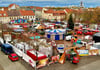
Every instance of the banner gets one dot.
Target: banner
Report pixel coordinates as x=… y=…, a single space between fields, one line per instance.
x=83 y=52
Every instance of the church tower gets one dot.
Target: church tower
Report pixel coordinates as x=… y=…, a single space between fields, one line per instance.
x=81 y=4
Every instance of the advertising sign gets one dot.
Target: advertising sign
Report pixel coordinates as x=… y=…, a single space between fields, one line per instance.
x=83 y=52
x=60 y=48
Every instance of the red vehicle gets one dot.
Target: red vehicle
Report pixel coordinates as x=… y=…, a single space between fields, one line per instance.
x=13 y=57
x=95 y=31
x=79 y=32
x=88 y=33
x=72 y=57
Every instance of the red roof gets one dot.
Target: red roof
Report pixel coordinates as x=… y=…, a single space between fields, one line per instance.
x=3 y=14
x=39 y=8
x=68 y=10
x=12 y=5
x=27 y=13
x=49 y=11
x=55 y=13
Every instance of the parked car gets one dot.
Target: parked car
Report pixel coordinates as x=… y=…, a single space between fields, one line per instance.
x=13 y=57
x=69 y=37
x=95 y=31
x=79 y=32
x=88 y=32
x=6 y=48
x=95 y=46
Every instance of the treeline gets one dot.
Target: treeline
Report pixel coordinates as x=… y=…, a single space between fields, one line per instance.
x=89 y=16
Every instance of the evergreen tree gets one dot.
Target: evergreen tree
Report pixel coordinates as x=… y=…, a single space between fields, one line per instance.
x=70 y=22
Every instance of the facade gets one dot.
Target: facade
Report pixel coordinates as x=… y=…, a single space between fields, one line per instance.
x=38 y=12
x=4 y=17
x=53 y=15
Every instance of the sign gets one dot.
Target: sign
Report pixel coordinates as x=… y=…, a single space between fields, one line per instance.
x=83 y=52
x=60 y=48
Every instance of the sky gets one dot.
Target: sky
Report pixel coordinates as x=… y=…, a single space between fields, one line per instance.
x=52 y=3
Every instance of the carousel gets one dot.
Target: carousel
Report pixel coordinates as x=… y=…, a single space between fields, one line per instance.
x=55 y=34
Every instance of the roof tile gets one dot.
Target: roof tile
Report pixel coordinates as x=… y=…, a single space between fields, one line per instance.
x=27 y=13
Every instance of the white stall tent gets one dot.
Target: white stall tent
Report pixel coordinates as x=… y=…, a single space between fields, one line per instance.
x=46 y=50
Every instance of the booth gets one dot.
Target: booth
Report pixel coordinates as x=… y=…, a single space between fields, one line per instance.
x=55 y=34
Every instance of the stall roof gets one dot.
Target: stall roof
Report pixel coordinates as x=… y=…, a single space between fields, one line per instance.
x=55 y=31
x=97 y=34
x=18 y=30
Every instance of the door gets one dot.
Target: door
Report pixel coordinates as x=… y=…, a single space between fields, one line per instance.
x=56 y=37
x=48 y=36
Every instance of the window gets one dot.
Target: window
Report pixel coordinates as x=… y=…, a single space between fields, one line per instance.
x=4 y=14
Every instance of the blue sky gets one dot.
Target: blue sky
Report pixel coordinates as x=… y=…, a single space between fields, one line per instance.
x=56 y=3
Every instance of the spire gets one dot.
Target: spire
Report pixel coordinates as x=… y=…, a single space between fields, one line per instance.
x=81 y=4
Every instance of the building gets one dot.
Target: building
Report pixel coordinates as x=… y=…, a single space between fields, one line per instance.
x=27 y=14
x=53 y=15
x=37 y=11
x=13 y=6
x=68 y=12
x=4 y=17
x=13 y=12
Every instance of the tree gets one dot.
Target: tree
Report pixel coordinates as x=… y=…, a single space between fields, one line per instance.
x=70 y=22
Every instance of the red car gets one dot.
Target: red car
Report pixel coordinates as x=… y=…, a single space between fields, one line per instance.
x=79 y=32
x=88 y=33
x=95 y=31
x=13 y=57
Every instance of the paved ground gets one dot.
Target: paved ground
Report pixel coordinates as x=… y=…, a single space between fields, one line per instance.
x=6 y=64
x=86 y=63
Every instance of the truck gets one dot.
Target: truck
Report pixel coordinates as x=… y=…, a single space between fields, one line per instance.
x=6 y=48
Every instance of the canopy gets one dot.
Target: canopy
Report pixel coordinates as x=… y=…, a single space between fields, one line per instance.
x=97 y=34
x=18 y=30
x=56 y=31
x=40 y=27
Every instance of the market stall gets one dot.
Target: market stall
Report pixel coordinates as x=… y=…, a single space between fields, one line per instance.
x=39 y=56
